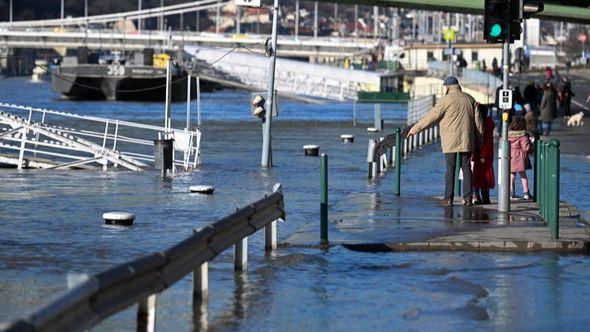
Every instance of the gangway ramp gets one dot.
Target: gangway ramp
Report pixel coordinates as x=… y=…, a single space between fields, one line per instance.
x=41 y=138
x=292 y=76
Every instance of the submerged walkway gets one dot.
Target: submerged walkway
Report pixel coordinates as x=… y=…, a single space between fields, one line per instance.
x=383 y=222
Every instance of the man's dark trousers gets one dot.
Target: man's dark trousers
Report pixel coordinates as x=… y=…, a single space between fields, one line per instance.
x=451 y=160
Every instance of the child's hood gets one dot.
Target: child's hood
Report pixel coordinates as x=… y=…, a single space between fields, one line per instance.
x=515 y=135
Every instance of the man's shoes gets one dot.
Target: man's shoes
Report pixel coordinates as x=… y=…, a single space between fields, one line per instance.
x=467 y=202
x=447 y=202
x=526 y=196
x=513 y=196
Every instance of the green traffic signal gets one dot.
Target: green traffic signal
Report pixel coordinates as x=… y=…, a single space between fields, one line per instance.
x=496 y=30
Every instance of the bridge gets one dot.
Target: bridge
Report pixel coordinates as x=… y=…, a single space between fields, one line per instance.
x=176 y=40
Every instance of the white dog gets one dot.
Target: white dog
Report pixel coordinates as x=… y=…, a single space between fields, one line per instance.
x=576 y=120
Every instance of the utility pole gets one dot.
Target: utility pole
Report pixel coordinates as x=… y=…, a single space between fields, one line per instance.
x=315 y=20
x=10 y=18
x=266 y=126
x=296 y=19
x=161 y=18
x=139 y=21
x=62 y=9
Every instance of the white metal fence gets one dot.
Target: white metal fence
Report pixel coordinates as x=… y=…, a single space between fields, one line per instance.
x=45 y=138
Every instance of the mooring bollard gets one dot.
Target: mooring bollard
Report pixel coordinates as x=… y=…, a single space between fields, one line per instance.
x=378 y=122
x=118 y=218
x=324 y=199
x=398 y=161
x=164 y=155
x=457 y=171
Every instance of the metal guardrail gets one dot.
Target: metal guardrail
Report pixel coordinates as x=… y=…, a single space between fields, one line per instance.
x=140 y=280
x=418 y=107
x=547 y=161
x=386 y=151
x=42 y=132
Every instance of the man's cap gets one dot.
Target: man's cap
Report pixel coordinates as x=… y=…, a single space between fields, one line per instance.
x=451 y=80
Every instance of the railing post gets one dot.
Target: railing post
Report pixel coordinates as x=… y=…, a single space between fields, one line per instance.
x=457 y=171
x=398 y=161
x=324 y=199
x=536 y=169
x=371 y=159
x=270 y=230
x=201 y=283
x=241 y=255
x=146 y=314
x=553 y=194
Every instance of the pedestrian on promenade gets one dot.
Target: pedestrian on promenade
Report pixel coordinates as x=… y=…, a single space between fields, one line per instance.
x=565 y=97
x=548 y=74
x=531 y=120
x=548 y=108
x=530 y=95
x=461 y=130
x=520 y=147
x=483 y=161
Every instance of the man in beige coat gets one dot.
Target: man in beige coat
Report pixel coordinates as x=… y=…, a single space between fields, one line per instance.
x=461 y=131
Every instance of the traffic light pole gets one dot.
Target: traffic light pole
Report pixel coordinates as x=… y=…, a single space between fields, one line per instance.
x=504 y=152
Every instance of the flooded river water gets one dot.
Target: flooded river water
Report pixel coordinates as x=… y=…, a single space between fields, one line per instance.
x=51 y=232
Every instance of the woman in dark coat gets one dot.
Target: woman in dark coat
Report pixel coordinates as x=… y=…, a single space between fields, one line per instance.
x=548 y=108
x=565 y=97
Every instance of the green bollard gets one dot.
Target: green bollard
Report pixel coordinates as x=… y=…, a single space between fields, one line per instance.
x=536 y=169
x=546 y=180
x=398 y=162
x=542 y=179
x=324 y=199
x=457 y=169
x=553 y=193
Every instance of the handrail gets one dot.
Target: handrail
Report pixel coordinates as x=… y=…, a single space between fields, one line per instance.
x=139 y=281
x=383 y=152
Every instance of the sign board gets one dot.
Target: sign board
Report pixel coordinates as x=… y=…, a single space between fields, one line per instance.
x=449 y=34
x=452 y=51
x=505 y=102
x=249 y=3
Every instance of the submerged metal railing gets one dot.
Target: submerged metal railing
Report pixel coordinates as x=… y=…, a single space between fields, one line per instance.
x=34 y=132
x=547 y=163
x=139 y=281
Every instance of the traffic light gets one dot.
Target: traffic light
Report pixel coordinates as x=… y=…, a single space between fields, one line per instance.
x=503 y=18
x=496 y=24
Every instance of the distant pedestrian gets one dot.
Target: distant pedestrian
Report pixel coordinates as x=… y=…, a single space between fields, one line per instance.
x=548 y=108
x=548 y=74
x=531 y=119
x=495 y=67
x=483 y=161
x=565 y=97
x=484 y=67
x=520 y=147
x=530 y=95
x=461 y=131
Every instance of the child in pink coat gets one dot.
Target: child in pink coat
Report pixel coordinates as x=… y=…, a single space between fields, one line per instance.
x=520 y=147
